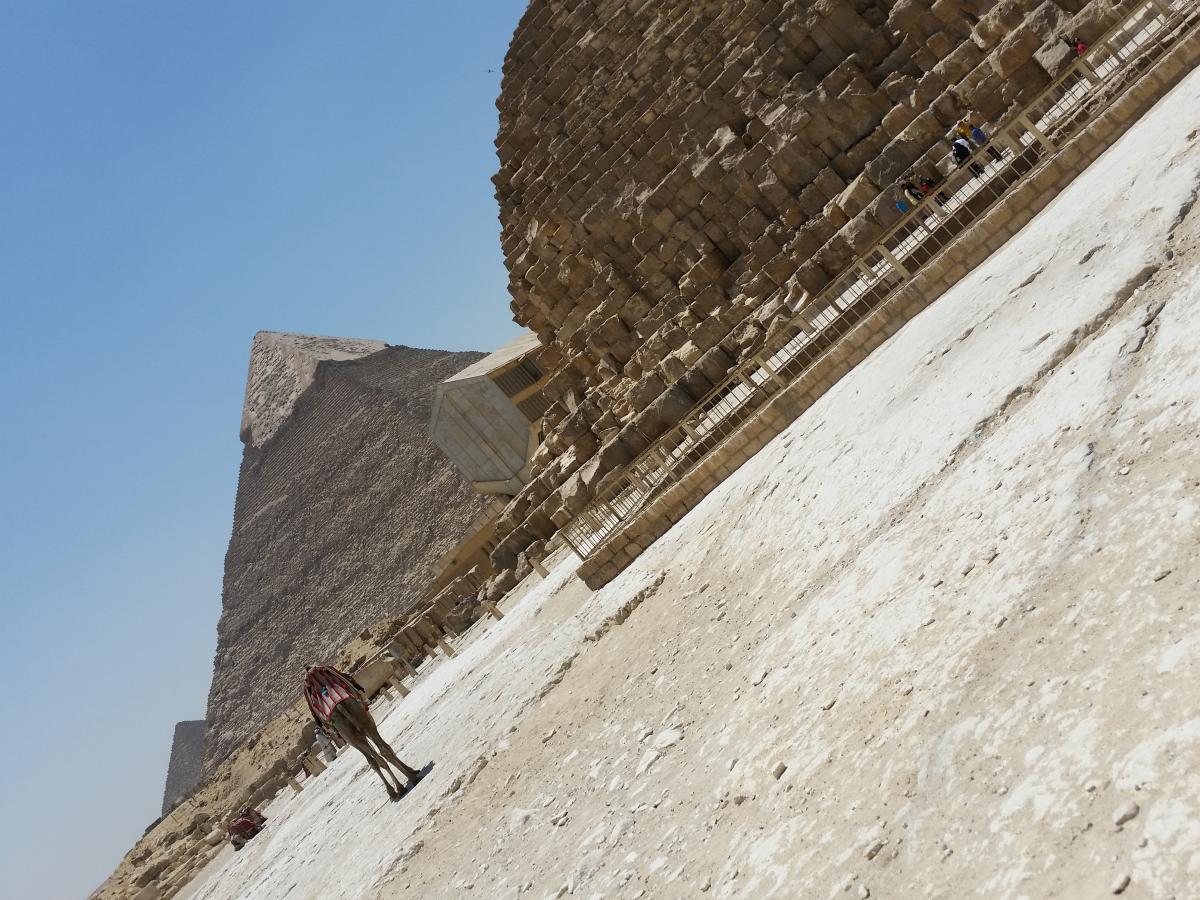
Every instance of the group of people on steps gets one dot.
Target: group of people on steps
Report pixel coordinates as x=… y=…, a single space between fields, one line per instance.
x=968 y=137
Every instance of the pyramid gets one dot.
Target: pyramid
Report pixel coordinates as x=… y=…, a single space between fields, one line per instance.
x=282 y=367
x=344 y=506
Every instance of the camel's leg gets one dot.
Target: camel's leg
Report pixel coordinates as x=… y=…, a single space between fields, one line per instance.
x=366 y=724
x=354 y=736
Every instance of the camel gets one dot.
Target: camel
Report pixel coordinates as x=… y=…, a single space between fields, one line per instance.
x=338 y=701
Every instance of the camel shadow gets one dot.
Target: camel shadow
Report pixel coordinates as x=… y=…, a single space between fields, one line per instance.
x=421 y=773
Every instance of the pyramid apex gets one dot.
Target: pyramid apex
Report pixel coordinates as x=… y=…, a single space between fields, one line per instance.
x=282 y=366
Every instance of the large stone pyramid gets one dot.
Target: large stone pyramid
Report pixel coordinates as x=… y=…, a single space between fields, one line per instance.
x=187 y=756
x=343 y=506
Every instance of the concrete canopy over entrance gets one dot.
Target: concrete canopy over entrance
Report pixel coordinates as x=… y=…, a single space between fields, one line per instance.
x=486 y=418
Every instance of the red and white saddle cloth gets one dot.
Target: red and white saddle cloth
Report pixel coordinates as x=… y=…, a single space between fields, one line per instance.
x=324 y=689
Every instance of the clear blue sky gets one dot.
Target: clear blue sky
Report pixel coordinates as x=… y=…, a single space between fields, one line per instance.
x=176 y=176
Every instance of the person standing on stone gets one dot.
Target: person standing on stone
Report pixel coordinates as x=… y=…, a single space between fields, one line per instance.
x=1076 y=44
x=928 y=185
x=911 y=189
x=328 y=750
x=970 y=130
x=980 y=138
x=962 y=154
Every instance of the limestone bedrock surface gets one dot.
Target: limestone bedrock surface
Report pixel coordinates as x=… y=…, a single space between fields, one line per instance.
x=956 y=601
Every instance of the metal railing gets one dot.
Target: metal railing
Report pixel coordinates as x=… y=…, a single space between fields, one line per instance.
x=1081 y=92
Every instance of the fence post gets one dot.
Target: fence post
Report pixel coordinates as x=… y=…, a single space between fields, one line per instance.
x=892 y=261
x=1036 y=132
x=771 y=373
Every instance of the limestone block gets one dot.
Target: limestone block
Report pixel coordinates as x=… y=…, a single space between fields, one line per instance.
x=857 y=195
x=1054 y=57
x=1047 y=21
x=1015 y=50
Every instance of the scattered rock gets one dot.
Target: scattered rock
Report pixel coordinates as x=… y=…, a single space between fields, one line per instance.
x=1125 y=812
x=874 y=847
x=759 y=677
x=1120 y=884
x=1000 y=620
x=828 y=704
x=967 y=569
x=619 y=829
x=906 y=690
x=1159 y=576
x=668 y=738
x=864 y=892
x=705 y=885
x=778 y=771
x=647 y=761
x=549 y=734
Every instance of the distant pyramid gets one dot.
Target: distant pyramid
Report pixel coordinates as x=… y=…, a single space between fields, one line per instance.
x=187 y=755
x=282 y=366
x=344 y=506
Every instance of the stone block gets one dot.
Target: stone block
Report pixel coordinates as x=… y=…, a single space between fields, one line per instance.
x=1014 y=51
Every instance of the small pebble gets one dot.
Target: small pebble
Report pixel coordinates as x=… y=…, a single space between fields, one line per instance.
x=1125 y=812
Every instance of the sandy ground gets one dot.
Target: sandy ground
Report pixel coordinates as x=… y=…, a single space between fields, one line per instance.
x=939 y=639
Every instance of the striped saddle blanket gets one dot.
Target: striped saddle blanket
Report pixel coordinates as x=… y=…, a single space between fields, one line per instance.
x=324 y=689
